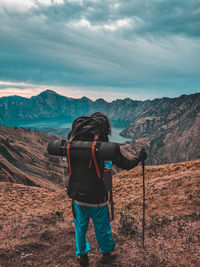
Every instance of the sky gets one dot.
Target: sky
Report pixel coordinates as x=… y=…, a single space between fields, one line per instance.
x=111 y=49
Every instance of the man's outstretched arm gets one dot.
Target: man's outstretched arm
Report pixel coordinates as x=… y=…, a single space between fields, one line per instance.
x=127 y=164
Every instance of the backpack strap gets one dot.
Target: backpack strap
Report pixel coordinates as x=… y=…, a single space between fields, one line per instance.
x=96 y=137
x=90 y=163
x=94 y=158
x=68 y=154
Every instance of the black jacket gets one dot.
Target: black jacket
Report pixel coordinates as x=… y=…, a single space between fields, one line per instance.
x=123 y=162
x=84 y=184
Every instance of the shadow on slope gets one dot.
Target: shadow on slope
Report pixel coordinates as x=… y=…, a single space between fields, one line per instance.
x=24 y=159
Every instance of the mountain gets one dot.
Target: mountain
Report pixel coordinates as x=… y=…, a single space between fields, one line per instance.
x=37 y=226
x=168 y=127
x=49 y=104
x=24 y=159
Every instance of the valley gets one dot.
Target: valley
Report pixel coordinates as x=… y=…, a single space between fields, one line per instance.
x=167 y=127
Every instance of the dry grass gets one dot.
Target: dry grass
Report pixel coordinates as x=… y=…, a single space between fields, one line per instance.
x=37 y=229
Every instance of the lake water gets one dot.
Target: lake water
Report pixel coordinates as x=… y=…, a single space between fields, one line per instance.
x=61 y=128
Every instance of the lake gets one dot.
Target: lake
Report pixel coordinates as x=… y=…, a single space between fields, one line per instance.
x=60 y=127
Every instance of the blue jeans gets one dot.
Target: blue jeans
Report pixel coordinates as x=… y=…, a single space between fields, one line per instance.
x=101 y=221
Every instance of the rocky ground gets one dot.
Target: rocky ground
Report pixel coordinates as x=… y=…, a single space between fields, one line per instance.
x=37 y=229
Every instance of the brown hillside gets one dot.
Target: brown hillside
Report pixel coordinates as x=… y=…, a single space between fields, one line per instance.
x=24 y=158
x=37 y=230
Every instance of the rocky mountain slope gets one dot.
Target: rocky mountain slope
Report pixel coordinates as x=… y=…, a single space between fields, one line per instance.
x=170 y=134
x=37 y=229
x=49 y=104
x=168 y=127
x=24 y=158
x=46 y=105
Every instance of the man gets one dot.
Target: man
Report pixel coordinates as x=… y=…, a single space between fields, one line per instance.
x=89 y=195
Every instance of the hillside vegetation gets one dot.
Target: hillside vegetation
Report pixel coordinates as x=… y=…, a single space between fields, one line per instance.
x=24 y=158
x=37 y=229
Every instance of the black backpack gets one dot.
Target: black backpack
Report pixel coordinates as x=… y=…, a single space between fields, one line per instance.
x=86 y=176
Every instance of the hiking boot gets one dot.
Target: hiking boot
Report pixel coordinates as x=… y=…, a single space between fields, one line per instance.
x=107 y=258
x=84 y=261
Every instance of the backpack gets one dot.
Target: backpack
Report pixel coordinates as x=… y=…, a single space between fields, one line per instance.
x=86 y=127
x=86 y=183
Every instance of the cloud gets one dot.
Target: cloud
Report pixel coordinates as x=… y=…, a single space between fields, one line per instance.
x=104 y=43
x=163 y=17
x=159 y=17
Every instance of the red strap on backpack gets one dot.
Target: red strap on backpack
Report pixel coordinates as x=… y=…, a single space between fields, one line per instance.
x=94 y=158
x=68 y=155
x=90 y=163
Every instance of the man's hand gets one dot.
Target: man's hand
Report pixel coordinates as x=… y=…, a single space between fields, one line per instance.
x=142 y=155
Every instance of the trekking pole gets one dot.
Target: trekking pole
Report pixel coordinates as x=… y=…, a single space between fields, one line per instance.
x=111 y=205
x=143 y=221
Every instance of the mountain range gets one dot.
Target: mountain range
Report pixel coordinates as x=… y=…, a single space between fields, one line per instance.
x=49 y=104
x=168 y=127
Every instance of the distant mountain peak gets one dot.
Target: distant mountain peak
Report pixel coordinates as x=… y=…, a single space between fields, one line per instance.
x=48 y=92
x=100 y=101
x=85 y=99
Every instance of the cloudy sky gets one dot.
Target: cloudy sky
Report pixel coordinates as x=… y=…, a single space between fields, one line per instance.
x=141 y=49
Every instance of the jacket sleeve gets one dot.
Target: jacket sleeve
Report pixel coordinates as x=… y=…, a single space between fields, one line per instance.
x=124 y=163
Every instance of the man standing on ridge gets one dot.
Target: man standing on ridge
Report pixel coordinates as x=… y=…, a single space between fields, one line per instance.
x=87 y=189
